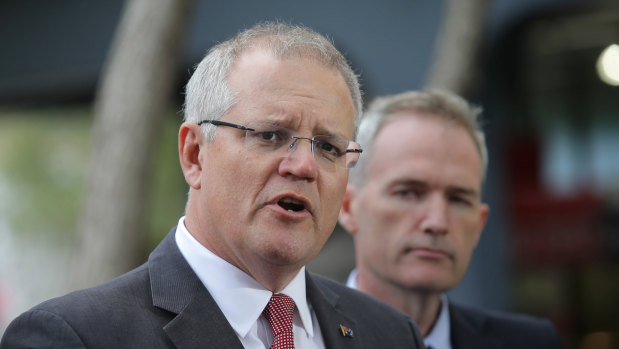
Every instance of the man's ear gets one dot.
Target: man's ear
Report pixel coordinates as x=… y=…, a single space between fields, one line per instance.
x=190 y=141
x=348 y=211
x=483 y=218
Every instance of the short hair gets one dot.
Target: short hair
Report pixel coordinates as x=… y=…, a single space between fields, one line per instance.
x=433 y=103
x=208 y=94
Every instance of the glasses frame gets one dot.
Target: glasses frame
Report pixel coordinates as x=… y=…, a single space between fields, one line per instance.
x=291 y=146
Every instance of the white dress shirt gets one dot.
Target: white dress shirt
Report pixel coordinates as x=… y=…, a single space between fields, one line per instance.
x=242 y=299
x=439 y=336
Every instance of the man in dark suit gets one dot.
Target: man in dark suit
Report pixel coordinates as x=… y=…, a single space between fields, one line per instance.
x=266 y=147
x=414 y=208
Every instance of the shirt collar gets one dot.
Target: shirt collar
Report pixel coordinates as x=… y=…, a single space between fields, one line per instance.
x=352 y=279
x=241 y=298
x=439 y=336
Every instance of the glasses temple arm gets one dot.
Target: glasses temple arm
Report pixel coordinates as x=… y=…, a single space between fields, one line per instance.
x=223 y=123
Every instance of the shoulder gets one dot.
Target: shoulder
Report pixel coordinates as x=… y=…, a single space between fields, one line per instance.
x=123 y=291
x=40 y=329
x=517 y=329
x=85 y=316
x=499 y=318
x=376 y=324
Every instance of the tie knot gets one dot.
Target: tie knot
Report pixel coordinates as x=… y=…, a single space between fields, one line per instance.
x=279 y=313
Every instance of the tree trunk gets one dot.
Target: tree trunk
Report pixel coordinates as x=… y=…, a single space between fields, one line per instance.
x=131 y=100
x=455 y=65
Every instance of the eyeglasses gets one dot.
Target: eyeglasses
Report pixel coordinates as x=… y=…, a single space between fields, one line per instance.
x=264 y=137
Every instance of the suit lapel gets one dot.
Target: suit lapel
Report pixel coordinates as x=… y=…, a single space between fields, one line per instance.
x=467 y=330
x=199 y=322
x=324 y=304
x=202 y=325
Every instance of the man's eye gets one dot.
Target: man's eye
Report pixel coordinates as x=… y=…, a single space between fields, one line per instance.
x=265 y=140
x=270 y=136
x=459 y=200
x=329 y=148
x=406 y=193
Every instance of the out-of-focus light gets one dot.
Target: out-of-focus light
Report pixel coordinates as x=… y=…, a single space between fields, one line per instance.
x=608 y=65
x=598 y=340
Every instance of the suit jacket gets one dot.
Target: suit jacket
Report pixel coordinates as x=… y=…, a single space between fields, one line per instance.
x=475 y=328
x=163 y=304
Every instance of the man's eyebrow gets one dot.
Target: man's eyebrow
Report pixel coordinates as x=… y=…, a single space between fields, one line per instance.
x=453 y=189
x=463 y=191
x=410 y=182
x=334 y=135
x=279 y=120
x=321 y=130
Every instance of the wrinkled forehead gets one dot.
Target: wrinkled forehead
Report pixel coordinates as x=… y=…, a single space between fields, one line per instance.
x=309 y=55
x=292 y=93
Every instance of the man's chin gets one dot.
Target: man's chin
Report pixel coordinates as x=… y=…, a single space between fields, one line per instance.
x=428 y=289
x=428 y=283
x=282 y=254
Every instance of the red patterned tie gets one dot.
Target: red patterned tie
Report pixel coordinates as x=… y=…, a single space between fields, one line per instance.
x=279 y=313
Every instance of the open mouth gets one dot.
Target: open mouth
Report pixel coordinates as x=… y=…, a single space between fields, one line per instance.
x=290 y=204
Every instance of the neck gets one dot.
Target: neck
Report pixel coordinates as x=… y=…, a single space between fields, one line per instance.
x=422 y=307
x=274 y=280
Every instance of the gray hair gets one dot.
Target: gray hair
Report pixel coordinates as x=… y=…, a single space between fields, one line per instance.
x=208 y=94
x=433 y=103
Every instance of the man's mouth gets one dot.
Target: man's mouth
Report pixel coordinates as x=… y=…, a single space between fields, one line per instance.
x=428 y=253
x=290 y=204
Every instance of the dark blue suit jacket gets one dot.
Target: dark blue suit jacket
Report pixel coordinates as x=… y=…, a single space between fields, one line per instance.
x=475 y=328
x=163 y=304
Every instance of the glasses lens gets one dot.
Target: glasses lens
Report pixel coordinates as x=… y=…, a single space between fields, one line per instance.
x=337 y=151
x=330 y=147
x=279 y=141
x=266 y=137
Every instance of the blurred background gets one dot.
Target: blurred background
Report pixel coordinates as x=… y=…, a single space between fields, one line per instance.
x=546 y=73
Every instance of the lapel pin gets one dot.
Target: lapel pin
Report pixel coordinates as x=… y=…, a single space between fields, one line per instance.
x=346 y=332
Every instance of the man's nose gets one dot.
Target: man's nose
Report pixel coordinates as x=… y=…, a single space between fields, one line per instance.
x=435 y=218
x=299 y=160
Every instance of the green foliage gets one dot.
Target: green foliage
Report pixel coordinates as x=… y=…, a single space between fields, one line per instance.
x=167 y=201
x=44 y=159
x=42 y=166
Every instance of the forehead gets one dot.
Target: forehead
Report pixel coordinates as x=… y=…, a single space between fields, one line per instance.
x=428 y=149
x=292 y=90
